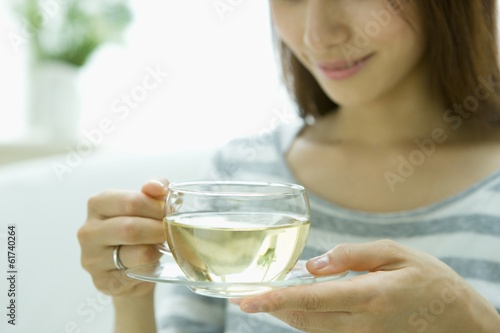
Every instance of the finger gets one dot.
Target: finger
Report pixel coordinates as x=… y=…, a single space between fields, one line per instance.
x=318 y=321
x=235 y=301
x=372 y=256
x=129 y=255
x=344 y=296
x=128 y=230
x=135 y=255
x=156 y=188
x=117 y=283
x=113 y=203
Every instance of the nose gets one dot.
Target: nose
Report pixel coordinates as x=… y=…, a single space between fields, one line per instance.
x=325 y=25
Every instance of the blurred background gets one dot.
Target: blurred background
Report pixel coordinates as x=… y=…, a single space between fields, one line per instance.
x=100 y=94
x=157 y=75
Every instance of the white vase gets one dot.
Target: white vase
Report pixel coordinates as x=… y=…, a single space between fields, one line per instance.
x=53 y=102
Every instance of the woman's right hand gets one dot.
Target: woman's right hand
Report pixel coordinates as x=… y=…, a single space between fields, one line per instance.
x=132 y=220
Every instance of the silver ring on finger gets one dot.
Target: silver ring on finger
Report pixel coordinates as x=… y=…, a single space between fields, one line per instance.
x=116 y=258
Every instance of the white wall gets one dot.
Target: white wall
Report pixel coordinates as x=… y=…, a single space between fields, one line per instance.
x=221 y=83
x=11 y=80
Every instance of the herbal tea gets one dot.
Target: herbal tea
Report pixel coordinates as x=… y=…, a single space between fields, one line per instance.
x=236 y=247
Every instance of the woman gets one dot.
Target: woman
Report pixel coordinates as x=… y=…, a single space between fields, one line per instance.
x=403 y=145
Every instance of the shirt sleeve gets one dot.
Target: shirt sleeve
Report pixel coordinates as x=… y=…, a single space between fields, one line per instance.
x=179 y=310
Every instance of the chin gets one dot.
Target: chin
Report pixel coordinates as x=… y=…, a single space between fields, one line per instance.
x=346 y=93
x=348 y=98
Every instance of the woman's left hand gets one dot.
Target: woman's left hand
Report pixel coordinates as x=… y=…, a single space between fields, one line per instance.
x=405 y=291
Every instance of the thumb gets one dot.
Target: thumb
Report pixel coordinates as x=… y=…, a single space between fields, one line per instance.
x=372 y=256
x=156 y=188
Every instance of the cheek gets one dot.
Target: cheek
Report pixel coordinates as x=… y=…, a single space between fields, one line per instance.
x=289 y=26
x=292 y=36
x=377 y=23
x=399 y=28
x=401 y=40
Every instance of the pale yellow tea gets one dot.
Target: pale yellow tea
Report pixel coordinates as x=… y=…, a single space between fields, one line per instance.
x=236 y=247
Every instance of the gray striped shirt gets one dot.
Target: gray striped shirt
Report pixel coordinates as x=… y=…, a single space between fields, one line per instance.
x=463 y=231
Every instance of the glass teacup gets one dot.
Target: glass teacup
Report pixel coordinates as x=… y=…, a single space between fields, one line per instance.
x=236 y=232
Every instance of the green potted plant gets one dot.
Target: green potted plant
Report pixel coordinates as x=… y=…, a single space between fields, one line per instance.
x=71 y=30
x=63 y=36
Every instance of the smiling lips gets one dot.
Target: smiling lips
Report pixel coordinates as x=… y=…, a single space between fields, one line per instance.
x=341 y=70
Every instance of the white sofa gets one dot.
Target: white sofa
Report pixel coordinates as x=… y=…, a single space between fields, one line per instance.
x=53 y=293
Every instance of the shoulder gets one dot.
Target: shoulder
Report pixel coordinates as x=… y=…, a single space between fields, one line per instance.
x=262 y=145
x=258 y=152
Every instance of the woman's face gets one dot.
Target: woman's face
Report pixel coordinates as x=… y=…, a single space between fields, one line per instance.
x=358 y=50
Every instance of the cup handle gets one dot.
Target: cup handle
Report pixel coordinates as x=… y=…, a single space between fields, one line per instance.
x=163 y=248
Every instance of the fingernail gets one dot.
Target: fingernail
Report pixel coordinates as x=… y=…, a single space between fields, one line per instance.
x=250 y=308
x=235 y=301
x=158 y=182
x=319 y=262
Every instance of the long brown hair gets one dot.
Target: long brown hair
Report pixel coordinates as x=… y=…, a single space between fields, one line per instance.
x=462 y=53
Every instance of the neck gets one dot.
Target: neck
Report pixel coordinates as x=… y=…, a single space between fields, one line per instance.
x=409 y=111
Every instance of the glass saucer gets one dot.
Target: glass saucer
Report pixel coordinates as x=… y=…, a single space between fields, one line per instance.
x=168 y=271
